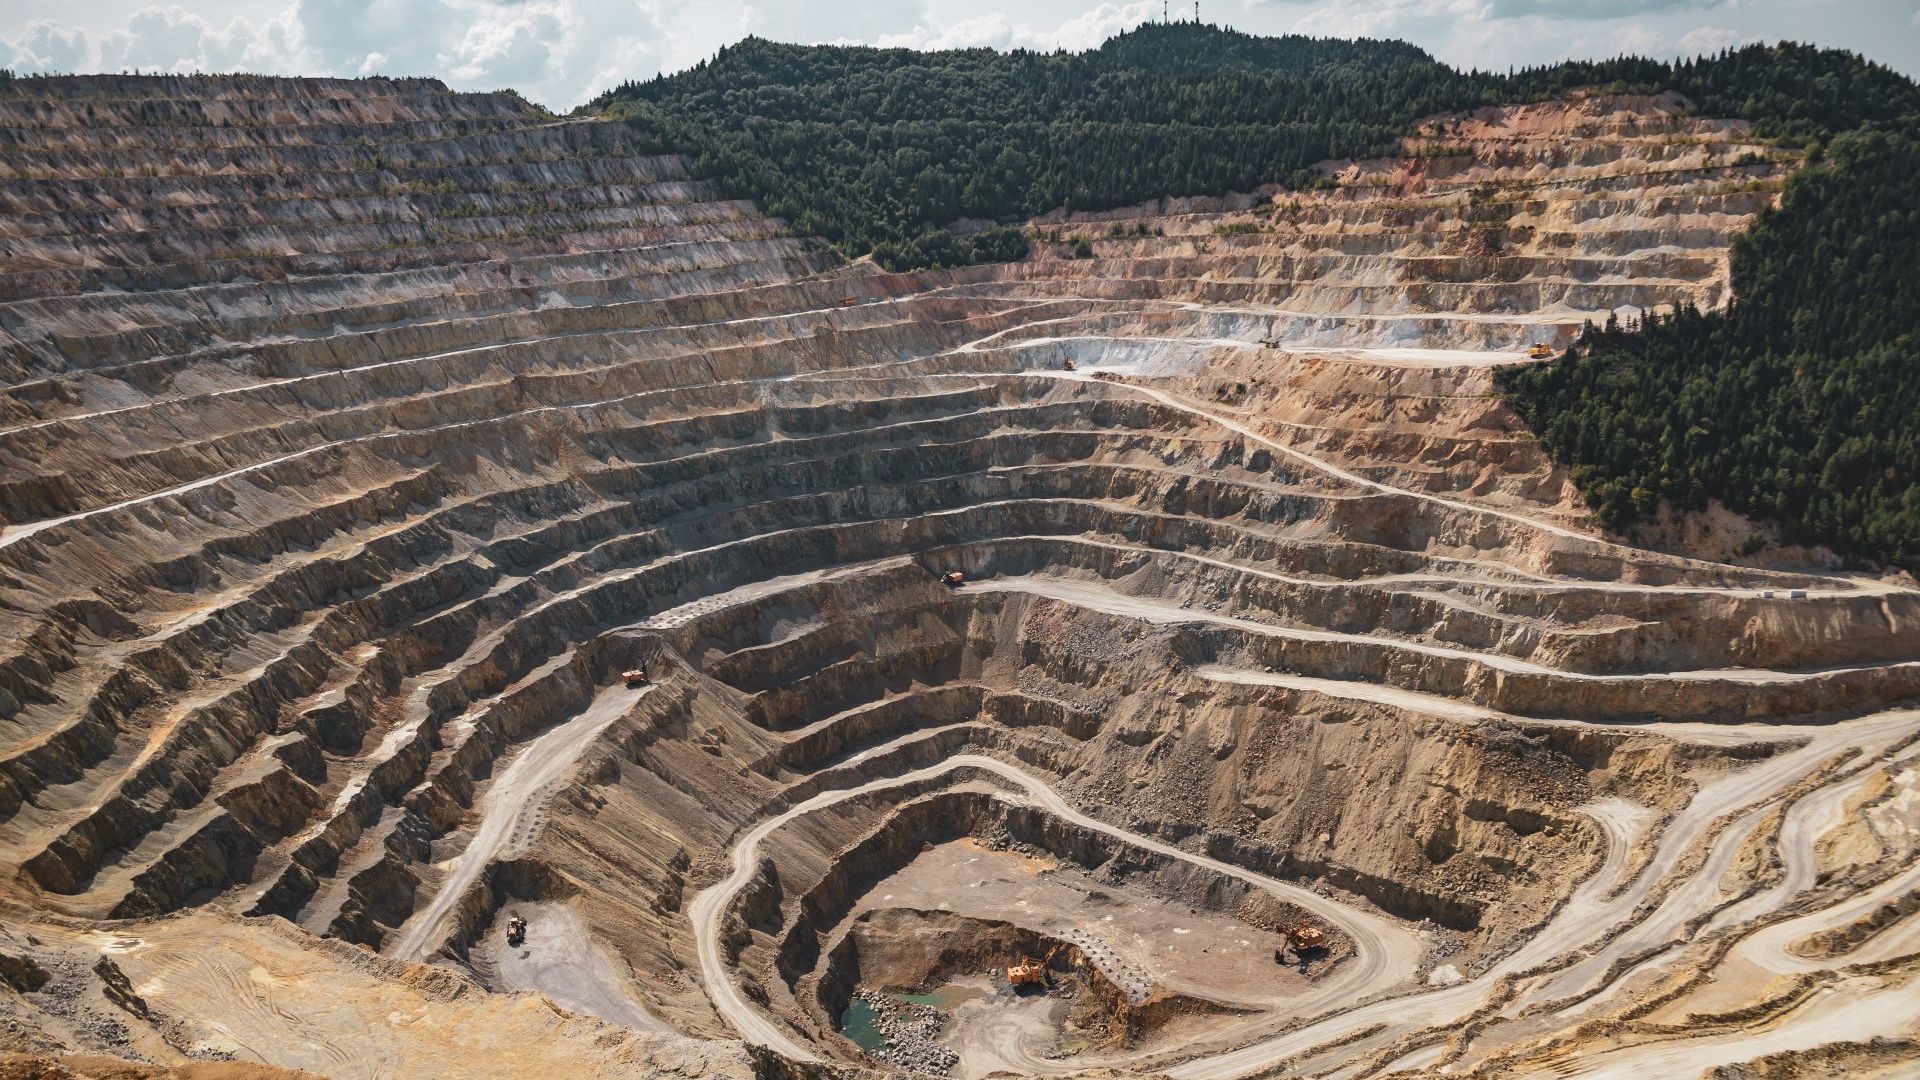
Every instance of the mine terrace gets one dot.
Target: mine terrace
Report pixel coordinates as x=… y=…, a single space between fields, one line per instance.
x=474 y=601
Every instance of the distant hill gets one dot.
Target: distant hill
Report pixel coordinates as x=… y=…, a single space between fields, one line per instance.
x=1774 y=407
x=879 y=149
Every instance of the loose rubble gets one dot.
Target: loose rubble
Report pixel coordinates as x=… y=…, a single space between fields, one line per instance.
x=912 y=1032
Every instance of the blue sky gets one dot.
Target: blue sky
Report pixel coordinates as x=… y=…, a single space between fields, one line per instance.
x=561 y=52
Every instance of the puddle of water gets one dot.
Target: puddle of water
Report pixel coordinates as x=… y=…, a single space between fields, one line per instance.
x=861 y=1024
x=945 y=997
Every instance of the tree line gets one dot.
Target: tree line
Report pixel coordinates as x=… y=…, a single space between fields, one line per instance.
x=883 y=150
x=1799 y=403
x=1796 y=404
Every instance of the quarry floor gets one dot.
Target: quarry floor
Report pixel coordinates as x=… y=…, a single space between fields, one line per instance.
x=1190 y=951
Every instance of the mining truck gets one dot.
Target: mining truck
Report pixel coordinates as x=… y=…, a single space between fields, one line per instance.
x=1067 y=364
x=635 y=677
x=516 y=931
x=953 y=579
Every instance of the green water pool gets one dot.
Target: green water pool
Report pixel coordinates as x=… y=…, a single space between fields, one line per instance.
x=861 y=1024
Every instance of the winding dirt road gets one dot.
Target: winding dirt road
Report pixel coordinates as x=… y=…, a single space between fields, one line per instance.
x=1098 y=598
x=508 y=805
x=1386 y=953
x=1593 y=912
x=1602 y=915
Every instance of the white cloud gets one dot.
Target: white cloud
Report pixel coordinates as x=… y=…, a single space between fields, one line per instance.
x=1638 y=40
x=562 y=52
x=1387 y=18
x=1711 y=39
x=986 y=30
x=1096 y=26
x=46 y=46
x=1600 y=9
x=172 y=39
x=1084 y=31
x=346 y=36
x=831 y=21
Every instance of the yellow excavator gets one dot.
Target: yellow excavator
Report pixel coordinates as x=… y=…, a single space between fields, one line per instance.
x=1030 y=972
x=1302 y=936
x=1540 y=352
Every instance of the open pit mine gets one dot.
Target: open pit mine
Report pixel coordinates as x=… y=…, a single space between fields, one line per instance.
x=476 y=602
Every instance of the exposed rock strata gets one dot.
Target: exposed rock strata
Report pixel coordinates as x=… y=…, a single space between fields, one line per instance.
x=357 y=436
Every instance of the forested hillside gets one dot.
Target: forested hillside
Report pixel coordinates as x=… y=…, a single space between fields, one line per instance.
x=879 y=149
x=1800 y=403
x=1797 y=405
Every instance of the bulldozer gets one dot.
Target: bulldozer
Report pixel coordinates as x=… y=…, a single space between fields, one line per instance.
x=1067 y=365
x=635 y=677
x=1539 y=352
x=1029 y=971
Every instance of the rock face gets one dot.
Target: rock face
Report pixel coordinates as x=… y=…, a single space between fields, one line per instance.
x=358 y=437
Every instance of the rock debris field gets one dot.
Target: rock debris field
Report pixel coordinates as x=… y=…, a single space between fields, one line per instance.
x=911 y=1031
x=358 y=437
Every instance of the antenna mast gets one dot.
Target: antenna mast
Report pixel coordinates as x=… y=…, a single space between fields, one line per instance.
x=1166 y=15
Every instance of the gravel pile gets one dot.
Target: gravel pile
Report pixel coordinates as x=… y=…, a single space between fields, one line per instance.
x=912 y=1033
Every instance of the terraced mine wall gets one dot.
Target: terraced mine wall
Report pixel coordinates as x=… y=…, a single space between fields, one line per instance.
x=915 y=948
x=816 y=939
x=359 y=437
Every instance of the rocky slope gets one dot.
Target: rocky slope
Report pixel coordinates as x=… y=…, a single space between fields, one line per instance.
x=358 y=436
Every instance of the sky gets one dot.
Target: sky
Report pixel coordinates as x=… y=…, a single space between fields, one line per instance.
x=563 y=52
